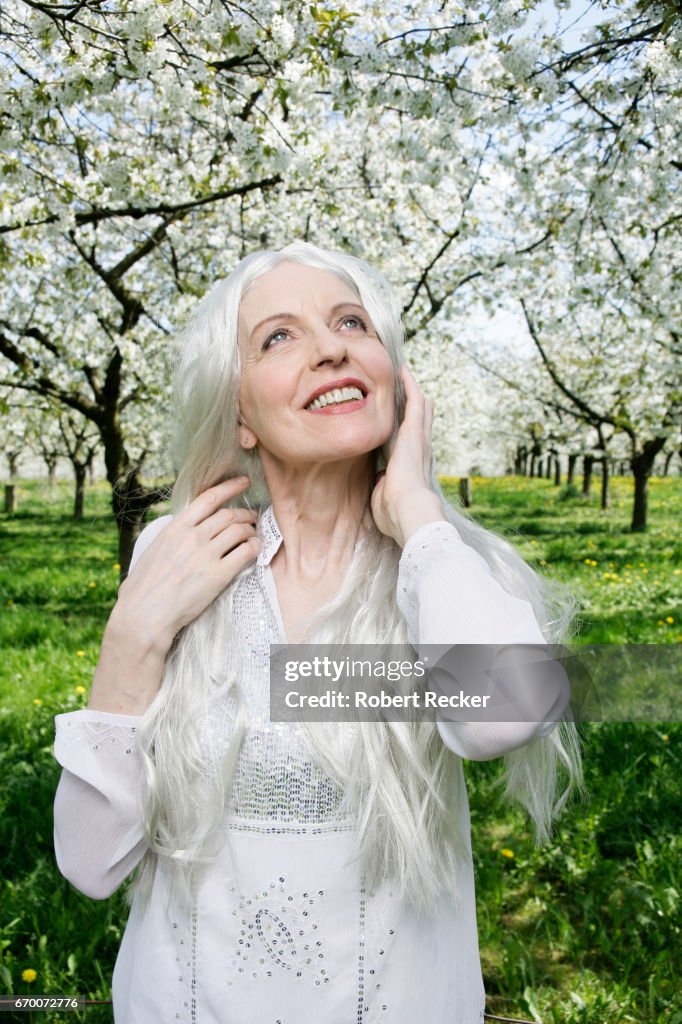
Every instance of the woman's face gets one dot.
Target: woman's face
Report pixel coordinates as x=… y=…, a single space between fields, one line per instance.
x=317 y=384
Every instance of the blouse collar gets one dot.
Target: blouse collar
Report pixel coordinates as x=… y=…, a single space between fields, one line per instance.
x=270 y=537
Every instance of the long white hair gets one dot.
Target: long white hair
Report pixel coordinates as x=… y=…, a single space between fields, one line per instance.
x=400 y=780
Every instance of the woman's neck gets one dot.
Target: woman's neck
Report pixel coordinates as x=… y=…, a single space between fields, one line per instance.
x=322 y=512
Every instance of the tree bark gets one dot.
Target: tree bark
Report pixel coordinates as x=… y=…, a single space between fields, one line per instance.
x=10 y=499
x=465 y=491
x=640 y=504
x=557 y=471
x=605 y=480
x=521 y=462
x=641 y=464
x=79 y=494
x=51 y=464
x=572 y=460
x=130 y=502
x=588 y=463
x=548 y=468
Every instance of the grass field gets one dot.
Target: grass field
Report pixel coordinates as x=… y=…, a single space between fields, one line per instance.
x=583 y=931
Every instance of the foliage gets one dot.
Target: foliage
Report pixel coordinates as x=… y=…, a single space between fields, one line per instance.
x=474 y=153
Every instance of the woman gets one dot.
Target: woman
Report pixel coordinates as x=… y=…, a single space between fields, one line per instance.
x=291 y=873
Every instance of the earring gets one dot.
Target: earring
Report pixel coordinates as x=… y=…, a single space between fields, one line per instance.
x=247 y=439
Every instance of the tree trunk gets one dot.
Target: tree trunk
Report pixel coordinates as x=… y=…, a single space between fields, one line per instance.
x=640 y=505
x=129 y=498
x=131 y=501
x=548 y=468
x=12 y=462
x=588 y=463
x=465 y=491
x=641 y=465
x=128 y=514
x=51 y=463
x=10 y=499
x=557 y=471
x=541 y=468
x=666 y=464
x=533 y=462
x=572 y=460
x=79 y=494
x=605 y=480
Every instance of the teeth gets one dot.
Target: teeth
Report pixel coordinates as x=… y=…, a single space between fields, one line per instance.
x=335 y=396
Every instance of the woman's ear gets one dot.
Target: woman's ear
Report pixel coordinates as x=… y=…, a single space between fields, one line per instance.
x=247 y=438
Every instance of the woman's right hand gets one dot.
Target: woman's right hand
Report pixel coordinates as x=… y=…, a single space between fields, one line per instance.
x=189 y=563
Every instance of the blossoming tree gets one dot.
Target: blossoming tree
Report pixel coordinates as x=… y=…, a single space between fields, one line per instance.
x=151 y=144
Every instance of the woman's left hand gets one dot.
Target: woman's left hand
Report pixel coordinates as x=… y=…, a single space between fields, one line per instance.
x=402 y=500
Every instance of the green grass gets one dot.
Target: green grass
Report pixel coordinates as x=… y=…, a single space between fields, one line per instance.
x=583 y=931
x=629 y=584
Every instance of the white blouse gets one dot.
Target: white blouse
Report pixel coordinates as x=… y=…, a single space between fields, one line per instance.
x=283 y=929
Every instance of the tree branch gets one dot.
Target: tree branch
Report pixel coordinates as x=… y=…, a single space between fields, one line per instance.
x=590 y=416
x=138 y=212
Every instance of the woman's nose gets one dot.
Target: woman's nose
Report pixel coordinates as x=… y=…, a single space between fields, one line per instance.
x=328 y=347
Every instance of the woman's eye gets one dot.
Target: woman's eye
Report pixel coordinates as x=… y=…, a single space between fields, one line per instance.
x=279 y=335
x=354 y=322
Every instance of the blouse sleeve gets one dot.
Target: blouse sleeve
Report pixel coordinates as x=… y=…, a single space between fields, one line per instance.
x=98 y=831
x=449 y=597
x=98 y=828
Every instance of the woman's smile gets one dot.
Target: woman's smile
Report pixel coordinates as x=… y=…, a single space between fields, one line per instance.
x=338 y=396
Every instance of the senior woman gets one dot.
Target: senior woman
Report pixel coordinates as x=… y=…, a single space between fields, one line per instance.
x=290 y=873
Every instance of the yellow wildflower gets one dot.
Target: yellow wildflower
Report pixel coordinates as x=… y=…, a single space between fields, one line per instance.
x=80 y=690
x=29 y=975
x=509 y=854
x=80 y=654
x=91 y=584
x=669 y=619
x=116 y=566
x=37 y=701
x=665 y=738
